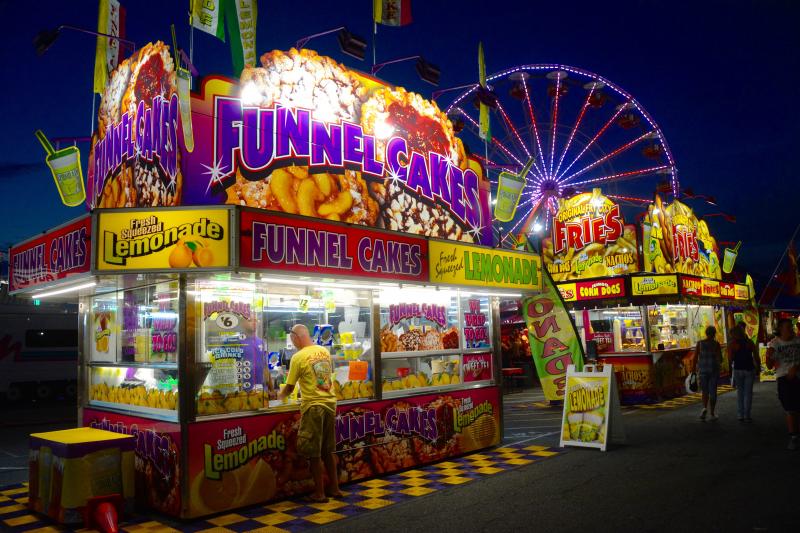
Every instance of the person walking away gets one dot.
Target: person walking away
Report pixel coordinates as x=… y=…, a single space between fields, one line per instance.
x=311 y=367
x=708 y=359
x=783 y=354
x=743 y=358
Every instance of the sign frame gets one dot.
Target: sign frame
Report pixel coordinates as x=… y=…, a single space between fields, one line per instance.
x=612 y=428
x=434 y=245
x=233 y=230
x=46 y=238
x=244 y=242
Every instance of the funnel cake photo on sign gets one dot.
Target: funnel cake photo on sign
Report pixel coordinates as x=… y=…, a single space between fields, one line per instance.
x=146 y=172
x=303 y=79
x=396 y=112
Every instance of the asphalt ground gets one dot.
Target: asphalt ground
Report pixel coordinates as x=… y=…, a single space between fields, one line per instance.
x=674 y=473
x=19 y=421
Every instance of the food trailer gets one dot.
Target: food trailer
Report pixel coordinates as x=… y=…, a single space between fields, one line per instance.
x=213 y=233
x=640 y=308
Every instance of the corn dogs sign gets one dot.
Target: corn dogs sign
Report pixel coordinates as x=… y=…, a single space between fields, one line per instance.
x=590 y=240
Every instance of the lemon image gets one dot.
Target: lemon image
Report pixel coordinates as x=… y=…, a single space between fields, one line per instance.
x=181 y=256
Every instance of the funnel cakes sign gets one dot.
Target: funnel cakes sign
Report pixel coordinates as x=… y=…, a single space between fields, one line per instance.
x=135 y=157
x=301 y=134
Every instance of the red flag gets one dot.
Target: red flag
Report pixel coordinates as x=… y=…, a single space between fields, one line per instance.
x=392 y=12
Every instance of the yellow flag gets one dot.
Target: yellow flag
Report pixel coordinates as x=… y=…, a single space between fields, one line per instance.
x=110 y=19
x=485 y=129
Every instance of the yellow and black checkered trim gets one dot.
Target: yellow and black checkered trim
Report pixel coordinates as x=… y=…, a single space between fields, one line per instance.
x=297 y=516
x=681 y=401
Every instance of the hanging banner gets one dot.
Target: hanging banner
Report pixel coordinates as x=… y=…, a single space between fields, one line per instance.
x=458 y=264
x=591 y=409
x=675 y=241
x=163 y=239
x=590 y=240
x=57 y=255
x=553 y=339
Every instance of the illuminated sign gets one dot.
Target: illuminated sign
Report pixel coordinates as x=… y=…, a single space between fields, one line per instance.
x=592 y=290
x=135 y=158
x=339 y=145
x=58 y=254
x=652 y=285
x=675 y=241
x=272 y=242
x=589 y=240
x=163 y=239
x=691 y=286
x=742 y=292
x=459 y=264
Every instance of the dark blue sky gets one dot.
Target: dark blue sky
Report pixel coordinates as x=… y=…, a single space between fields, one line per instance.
x=720 y=78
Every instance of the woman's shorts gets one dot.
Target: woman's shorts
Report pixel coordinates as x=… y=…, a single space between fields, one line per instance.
x=789 y=393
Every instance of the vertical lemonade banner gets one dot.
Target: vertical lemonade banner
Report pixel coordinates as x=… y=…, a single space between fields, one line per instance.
x=592 y=415
x=184 y=79
x=553 y=338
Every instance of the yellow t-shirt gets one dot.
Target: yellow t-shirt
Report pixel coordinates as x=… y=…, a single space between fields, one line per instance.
x=311 y=369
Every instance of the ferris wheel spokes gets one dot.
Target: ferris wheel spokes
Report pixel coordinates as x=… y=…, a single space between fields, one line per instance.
x=558 y=75
x=608 y=156
x=494 y=139
x=575 y=127
x=608 y=124
x=621 y=176
x=533 y=121
x=512 y=128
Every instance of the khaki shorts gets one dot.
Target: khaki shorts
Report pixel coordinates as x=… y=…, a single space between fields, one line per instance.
x=316 y=435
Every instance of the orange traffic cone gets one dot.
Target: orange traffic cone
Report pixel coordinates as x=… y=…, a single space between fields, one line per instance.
x=105 y=517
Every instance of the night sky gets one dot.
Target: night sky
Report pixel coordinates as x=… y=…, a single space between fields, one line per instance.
x=720 y=78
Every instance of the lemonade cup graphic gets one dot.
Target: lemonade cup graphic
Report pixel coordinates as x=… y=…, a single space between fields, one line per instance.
x=65 y=164
x=729 y=259
x=592 y=427
x=574 y=422
x=509 y=191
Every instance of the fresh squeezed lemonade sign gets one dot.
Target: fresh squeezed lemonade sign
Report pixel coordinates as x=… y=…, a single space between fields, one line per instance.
x=590 y=239
x=163 y=239
x=458 y=264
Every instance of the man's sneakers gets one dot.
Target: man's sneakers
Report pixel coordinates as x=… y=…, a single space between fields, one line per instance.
x=794 y=442
x=703 y=414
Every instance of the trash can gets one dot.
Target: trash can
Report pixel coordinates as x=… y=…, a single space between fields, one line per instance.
x=67 y=468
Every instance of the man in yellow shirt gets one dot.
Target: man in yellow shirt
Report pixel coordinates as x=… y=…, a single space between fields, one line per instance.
x=312 y=367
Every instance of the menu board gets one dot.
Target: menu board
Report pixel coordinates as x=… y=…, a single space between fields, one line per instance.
x=229 y=330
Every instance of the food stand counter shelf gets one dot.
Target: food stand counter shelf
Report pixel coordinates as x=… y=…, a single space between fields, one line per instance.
x=182 y=347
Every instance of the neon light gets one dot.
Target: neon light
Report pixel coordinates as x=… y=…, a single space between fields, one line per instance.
x=606 y=157
x=533 y=121
x=621 y=175
x=513 y=129
x=555 y=122
x=599 y=133
x=575 y=129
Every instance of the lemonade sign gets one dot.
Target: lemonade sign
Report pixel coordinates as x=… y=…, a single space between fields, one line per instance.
x=591 y=408
x=590 y=240
x=166 y=239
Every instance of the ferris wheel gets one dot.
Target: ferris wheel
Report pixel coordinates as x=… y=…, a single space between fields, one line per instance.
x=575 y=130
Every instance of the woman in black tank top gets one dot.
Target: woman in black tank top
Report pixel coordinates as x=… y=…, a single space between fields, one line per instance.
x=745 y=362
